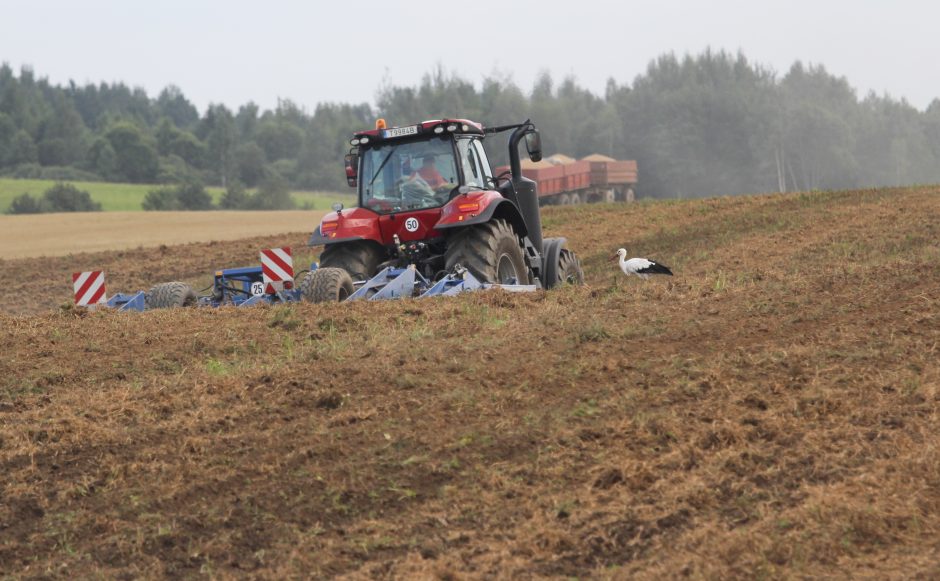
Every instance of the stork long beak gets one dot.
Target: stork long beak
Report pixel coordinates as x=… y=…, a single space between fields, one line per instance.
x=614 y=257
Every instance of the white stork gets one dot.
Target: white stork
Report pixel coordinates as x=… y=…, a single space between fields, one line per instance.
x=642 y=267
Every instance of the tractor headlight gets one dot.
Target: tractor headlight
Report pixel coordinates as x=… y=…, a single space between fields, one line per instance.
x=452 y=128
x=439 y=129
x=363 y=140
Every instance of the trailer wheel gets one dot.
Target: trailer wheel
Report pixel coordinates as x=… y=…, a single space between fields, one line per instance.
x=574 y=198
x=569 y=268
x=327 y=285
x=563 y=199
x=491 y=252
x=360 y=258
x=608 y=196
x=170 y=295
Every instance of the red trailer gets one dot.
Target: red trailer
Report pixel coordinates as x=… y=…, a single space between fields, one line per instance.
x=564 y=180
x=607 y=171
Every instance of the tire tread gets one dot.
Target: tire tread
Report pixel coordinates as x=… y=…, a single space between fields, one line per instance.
x=170 y=295
x=476 y=249
x=324 y=284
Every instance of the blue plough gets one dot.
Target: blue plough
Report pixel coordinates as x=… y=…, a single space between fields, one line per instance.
x=244 y=287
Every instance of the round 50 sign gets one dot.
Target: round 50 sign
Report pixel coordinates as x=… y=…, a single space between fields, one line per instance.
x=411 y=224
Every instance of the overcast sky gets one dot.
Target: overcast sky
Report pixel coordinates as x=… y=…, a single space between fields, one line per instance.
x=238 y=51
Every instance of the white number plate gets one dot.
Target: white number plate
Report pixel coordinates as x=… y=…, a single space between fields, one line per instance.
x=400 y=131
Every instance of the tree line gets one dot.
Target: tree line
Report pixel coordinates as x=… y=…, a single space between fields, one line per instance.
x=709 y=124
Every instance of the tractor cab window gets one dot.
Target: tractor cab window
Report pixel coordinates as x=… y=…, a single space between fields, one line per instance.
x=484 y=161
x=470 y=163
x=396 y=177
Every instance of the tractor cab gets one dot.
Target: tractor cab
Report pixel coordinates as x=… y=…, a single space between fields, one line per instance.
x=417 y=167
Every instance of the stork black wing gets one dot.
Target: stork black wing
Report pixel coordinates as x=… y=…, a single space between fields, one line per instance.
x=655 y=268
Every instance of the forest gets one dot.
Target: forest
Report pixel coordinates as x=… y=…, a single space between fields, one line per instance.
x=698 y=125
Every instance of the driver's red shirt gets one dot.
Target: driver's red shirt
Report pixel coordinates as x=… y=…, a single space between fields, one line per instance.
x=432 y=176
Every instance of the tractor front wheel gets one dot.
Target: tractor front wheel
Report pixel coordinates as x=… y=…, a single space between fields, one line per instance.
x=491 y=252
x=169 y=295
x=327 y=285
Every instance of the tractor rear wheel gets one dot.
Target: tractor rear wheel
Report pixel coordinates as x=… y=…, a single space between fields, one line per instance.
x=359 y=258
x=327 y=285
x=169 y=295
x=569 y=268
x=491 y=252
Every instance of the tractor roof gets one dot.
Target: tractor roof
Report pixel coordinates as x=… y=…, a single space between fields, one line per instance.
x=429 y=128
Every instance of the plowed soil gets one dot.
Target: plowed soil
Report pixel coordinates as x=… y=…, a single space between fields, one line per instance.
x=771 y=411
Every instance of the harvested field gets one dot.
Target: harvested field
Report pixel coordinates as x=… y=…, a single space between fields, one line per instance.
x=771 y=411
x=63 y=234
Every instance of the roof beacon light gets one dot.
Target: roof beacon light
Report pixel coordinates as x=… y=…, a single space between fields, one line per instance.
x=380 y=123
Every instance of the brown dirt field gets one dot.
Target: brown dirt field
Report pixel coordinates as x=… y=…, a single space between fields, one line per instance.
x=63 y=234
x=770 y=412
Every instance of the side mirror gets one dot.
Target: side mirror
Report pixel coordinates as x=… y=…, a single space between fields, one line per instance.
x=352 y=169
x=533 y=144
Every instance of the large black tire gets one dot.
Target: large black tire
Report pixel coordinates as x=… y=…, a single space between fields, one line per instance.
x=359 y=258
x=327 y=285
x=569 y=268
x=170 y=295
x=491 y=252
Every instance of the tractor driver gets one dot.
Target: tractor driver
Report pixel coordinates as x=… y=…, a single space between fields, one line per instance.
x=429 y=173
x=415 y=190
x=424 y=187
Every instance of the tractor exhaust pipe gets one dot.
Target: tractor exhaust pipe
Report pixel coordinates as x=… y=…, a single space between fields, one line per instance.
x=527 y=196
x=515 y=164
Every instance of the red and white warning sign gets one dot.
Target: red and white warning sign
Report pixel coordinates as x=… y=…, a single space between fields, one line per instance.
x=89 y=288
x=277 y=266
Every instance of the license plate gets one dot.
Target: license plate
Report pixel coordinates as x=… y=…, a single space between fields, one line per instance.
x=400 y=131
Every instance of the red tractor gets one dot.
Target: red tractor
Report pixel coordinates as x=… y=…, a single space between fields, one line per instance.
x=429 y=202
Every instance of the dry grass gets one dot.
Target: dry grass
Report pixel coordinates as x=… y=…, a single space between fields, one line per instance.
x=770 y=412
x=63 y=234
